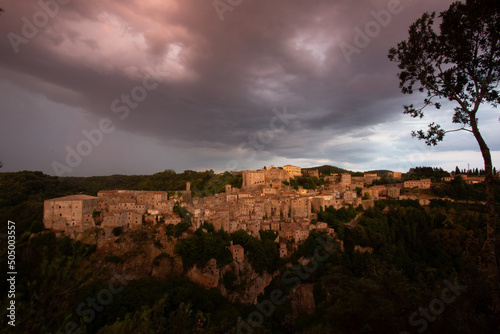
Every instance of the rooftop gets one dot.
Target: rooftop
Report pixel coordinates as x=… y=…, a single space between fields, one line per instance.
x=74 y=198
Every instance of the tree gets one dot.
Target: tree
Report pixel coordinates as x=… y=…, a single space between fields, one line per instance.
x=461 y=64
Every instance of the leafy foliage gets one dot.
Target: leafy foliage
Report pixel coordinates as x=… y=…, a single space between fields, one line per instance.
x=202 y=247
x=117 y=231
x=262 y=254
x=176 y=230
x=458 y=189
x=337 y=218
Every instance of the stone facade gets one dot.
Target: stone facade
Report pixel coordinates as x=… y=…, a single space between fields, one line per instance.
x=420 y=184
x=293 y=171
x=258 y=179
x=70 y=212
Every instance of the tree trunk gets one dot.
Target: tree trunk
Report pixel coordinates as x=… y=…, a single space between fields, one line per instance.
x=489 y=251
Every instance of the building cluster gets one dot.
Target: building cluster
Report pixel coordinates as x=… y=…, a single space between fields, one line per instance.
x=264 y=202
x=467 y=179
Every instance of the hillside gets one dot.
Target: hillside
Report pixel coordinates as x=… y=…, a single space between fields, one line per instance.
x=327 y=169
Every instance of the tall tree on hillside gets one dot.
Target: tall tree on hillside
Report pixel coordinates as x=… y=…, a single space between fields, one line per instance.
x=460 y=64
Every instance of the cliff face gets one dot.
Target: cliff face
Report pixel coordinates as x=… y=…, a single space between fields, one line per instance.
x=248 y=283
x=207 y=276
x=303 y=300
x=138 y=255
x=141 y=255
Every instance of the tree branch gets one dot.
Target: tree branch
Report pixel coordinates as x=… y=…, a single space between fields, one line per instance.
x=461 y=129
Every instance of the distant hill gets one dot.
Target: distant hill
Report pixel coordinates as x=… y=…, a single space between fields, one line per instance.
x=327 y=169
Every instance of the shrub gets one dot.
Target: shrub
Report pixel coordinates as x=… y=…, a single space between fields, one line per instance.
x=113 y=259
x=117 y=231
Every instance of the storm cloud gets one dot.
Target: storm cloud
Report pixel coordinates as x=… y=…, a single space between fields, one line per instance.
x=190 y=84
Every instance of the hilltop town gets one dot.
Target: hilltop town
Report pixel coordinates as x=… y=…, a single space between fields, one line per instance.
x=265 y=201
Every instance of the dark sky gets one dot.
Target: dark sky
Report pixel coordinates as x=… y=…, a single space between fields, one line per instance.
x=201 y=84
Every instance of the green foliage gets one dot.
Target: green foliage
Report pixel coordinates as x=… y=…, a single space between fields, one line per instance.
x=386 y=180
x=113 y=259
x=433 y=173
x=202 y=183
x=309 y=182
x=183 y=213
x=172 y=306
x=229 y=279
x=176 y=230
x=337 y=218
x=458 y=189
x=52 y=274
x=319 y=294
x=262 y=254
x=309 y=247
x=328 y=170
x=36 y=227
x=294 y=184
x=209 y=227
x=22 y=195
x=117 y=231
x=268 y=235
x=202 y=247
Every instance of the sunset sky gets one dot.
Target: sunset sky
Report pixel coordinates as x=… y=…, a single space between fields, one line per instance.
x=202 y=84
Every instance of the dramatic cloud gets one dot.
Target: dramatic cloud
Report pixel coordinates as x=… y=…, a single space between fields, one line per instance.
x=143 y=86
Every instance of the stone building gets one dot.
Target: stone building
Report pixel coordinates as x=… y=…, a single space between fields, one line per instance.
x=283 y=250
x=300 y=207
x=349 y=196
x=345 y=179
x=393 y=192
x=368 y=178
x=74 y=211
x=258 y=179
x=420 y=184
x=238 y=252
x=293 y=171
x=373 y=193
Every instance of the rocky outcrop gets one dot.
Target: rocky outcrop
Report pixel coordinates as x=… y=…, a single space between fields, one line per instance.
x=303 y=300
x=248 y=284
x=207 y=276
x=140 y=255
